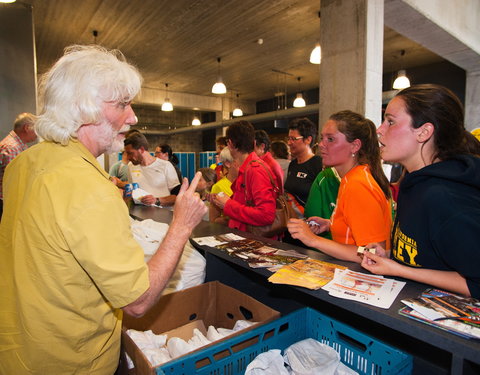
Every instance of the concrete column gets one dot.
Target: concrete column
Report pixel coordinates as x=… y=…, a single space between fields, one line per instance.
x=17 y=64
x=351 y=36
x=472 y=100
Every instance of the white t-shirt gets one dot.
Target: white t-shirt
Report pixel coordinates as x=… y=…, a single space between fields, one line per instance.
x=158 y=178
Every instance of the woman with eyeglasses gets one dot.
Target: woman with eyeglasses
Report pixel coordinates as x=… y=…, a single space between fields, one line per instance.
x=362 y=213
x=435 y=235
x=305 y=165
x=165 y=152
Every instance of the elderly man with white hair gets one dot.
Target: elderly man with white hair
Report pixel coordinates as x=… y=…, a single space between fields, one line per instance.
x=70 y=264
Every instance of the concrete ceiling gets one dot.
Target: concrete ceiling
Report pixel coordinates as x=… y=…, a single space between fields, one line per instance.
x=179 y=41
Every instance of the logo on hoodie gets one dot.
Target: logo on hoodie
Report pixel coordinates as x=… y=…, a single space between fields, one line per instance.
x=404 y=248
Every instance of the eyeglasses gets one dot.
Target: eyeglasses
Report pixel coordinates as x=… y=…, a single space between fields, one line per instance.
x=293 y=138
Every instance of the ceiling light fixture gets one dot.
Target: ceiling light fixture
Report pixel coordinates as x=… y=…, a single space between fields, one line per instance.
x=196 y=121
x=299 y=101
x=402 y=81
x=7 y=1
x=316 y=55
x=167 y=106
x=219 y=87
x=237 y=112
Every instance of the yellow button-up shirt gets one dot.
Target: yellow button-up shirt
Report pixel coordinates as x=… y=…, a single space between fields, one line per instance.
x=68 y=262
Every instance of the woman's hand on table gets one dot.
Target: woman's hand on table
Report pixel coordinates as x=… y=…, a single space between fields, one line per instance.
x=379 y=263
x=300 y=230
x=318 y=224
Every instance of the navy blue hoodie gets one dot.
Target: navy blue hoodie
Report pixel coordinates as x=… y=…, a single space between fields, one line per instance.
x=438 y=219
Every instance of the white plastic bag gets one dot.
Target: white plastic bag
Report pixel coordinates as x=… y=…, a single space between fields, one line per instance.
x=190 y=270
x=198 y=339
x=310 y=357
x=268 y=363
x=157 y=356
x=242 y=324
x=213 y=334
x=178 y=347
x=147 y=339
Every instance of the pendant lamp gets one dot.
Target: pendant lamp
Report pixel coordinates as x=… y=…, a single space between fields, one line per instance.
x=299 y=101
x=219 y=87
x=167 y=106
x=237 y=112
x=196 y=121
x=316 y=55
x=402 y=81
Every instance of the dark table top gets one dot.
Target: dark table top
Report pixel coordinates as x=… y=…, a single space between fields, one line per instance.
x=458 y=346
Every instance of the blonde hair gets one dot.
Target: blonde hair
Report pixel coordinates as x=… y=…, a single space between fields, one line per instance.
x=73 y=91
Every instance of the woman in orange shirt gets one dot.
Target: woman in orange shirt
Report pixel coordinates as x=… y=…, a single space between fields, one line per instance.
x=363 y=212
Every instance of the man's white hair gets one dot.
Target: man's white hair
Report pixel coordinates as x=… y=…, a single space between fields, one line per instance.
x=73 y=91
x=225 y=155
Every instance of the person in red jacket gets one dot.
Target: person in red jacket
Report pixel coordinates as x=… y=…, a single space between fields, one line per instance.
x=253 y=199
x=262 y=149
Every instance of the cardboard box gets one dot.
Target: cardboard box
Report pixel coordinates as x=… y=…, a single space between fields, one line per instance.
x=178 y=313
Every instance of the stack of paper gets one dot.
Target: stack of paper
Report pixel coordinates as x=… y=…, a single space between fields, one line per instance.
x=445 y=310
x=308 y=273
x=371 y=289
x=220 y=239
x=256 y=253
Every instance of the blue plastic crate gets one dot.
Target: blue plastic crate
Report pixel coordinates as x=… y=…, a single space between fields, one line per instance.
x=358 y=351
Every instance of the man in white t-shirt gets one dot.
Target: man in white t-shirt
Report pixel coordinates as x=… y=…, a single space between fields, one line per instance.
x=156 y=176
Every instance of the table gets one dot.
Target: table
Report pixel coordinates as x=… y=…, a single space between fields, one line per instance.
x=434 y=351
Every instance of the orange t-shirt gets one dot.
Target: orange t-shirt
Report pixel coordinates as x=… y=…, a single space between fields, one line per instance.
x=362 y=214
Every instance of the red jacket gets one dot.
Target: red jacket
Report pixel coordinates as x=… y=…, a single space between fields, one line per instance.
x=260 y=191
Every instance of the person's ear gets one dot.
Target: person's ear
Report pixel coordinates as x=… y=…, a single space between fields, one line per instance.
x=425 y=132
x=356 y=145
x=308 y=140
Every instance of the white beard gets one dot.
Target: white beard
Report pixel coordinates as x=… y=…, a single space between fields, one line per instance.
x=117 y=145
x=109 y=140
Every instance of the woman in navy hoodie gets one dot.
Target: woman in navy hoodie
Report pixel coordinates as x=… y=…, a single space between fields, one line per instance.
x=435 y=237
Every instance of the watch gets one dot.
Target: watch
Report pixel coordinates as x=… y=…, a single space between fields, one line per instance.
x=157 y=202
